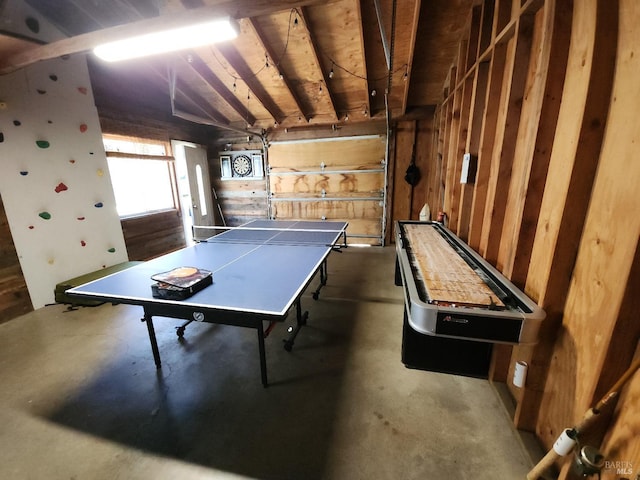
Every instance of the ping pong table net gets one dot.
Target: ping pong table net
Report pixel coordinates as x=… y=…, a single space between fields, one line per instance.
x=268 y=235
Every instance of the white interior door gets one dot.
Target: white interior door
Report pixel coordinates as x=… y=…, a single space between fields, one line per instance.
x=202 y=210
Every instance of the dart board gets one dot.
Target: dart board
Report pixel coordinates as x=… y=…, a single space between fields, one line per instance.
x=241 y=166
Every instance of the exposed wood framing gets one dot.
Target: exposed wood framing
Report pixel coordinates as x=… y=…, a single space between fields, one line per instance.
x=363 y=60
x=552 y=202
x=537 y=129
x=199 y=103
x=572 y=167
x=452 y=139
x=478 y=104
x=88 y=41
x=487 y=140
x=600 y=329
x=518 y=51
x=458 y=148
x=460 y=206
x=318 y=62
x=210 y=78
x=257 y=31
x=236 y=61
x=409 y=58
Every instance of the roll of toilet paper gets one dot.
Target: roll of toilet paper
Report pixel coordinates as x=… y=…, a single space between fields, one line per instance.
x=520 y=373
x=565 y=442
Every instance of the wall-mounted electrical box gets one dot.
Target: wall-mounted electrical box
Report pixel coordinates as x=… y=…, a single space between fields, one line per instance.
x=469 y=165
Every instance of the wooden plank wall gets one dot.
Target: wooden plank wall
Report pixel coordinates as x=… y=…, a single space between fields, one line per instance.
x=543 y=93
x=150 y=236
x=14 y=296
x=412 y=139
x=240 y=200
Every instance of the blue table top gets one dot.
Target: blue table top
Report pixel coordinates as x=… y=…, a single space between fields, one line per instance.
x=249 y=275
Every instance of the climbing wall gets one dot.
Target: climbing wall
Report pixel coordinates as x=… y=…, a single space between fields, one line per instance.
x=54 y=178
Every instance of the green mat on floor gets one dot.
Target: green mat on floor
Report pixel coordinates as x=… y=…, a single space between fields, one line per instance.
x=62 y=287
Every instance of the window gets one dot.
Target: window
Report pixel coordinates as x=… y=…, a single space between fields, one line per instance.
x=142 y=175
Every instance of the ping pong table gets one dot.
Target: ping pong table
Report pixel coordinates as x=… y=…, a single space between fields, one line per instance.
x=260 y=271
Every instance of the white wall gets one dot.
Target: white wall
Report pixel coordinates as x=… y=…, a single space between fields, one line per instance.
x=52 y=101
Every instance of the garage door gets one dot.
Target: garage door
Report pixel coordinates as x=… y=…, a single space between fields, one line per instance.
x=331 y=179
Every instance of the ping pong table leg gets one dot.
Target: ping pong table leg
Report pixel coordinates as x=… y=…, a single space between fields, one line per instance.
x=301 y=321
x=323 y=279
x=263 y=357
x=152 y=338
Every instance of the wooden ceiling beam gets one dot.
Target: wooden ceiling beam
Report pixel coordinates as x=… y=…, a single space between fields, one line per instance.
x=235 y=60
x=316 y=56
x=206 y=74
x=376 y=64
x=367 y=98
x=199 y=102
x=411 y=53
x=257 y=30
x=88 y=41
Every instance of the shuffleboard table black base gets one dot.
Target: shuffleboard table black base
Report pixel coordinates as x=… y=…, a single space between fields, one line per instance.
x=445 y=355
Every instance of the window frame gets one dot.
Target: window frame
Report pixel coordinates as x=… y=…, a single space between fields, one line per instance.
x=168 y=158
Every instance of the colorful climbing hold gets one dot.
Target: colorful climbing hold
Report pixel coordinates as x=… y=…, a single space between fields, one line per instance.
x=72 y=161
x=53 y=77
x=111 y=250
x=17 y=123
x=24 y=173
x=31 y=227
x=83 y=128
x=100 y=172
x=42 y=143
x=82 y=90
x=61 y=187
x=51 y=261
x=98 y=205
x=41 y=91
x=80 y=218
x=1 y=137
x=83 y=243
x=45 y=215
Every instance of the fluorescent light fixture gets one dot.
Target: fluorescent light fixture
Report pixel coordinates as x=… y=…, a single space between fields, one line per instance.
x=169 y=40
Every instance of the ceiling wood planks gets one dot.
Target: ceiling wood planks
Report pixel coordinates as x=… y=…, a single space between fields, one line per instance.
x=322 y=73
x=210 y=78
x=271 y=59
x=325 y=59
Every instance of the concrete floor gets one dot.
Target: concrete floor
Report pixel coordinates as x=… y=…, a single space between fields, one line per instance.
x=80 y=397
